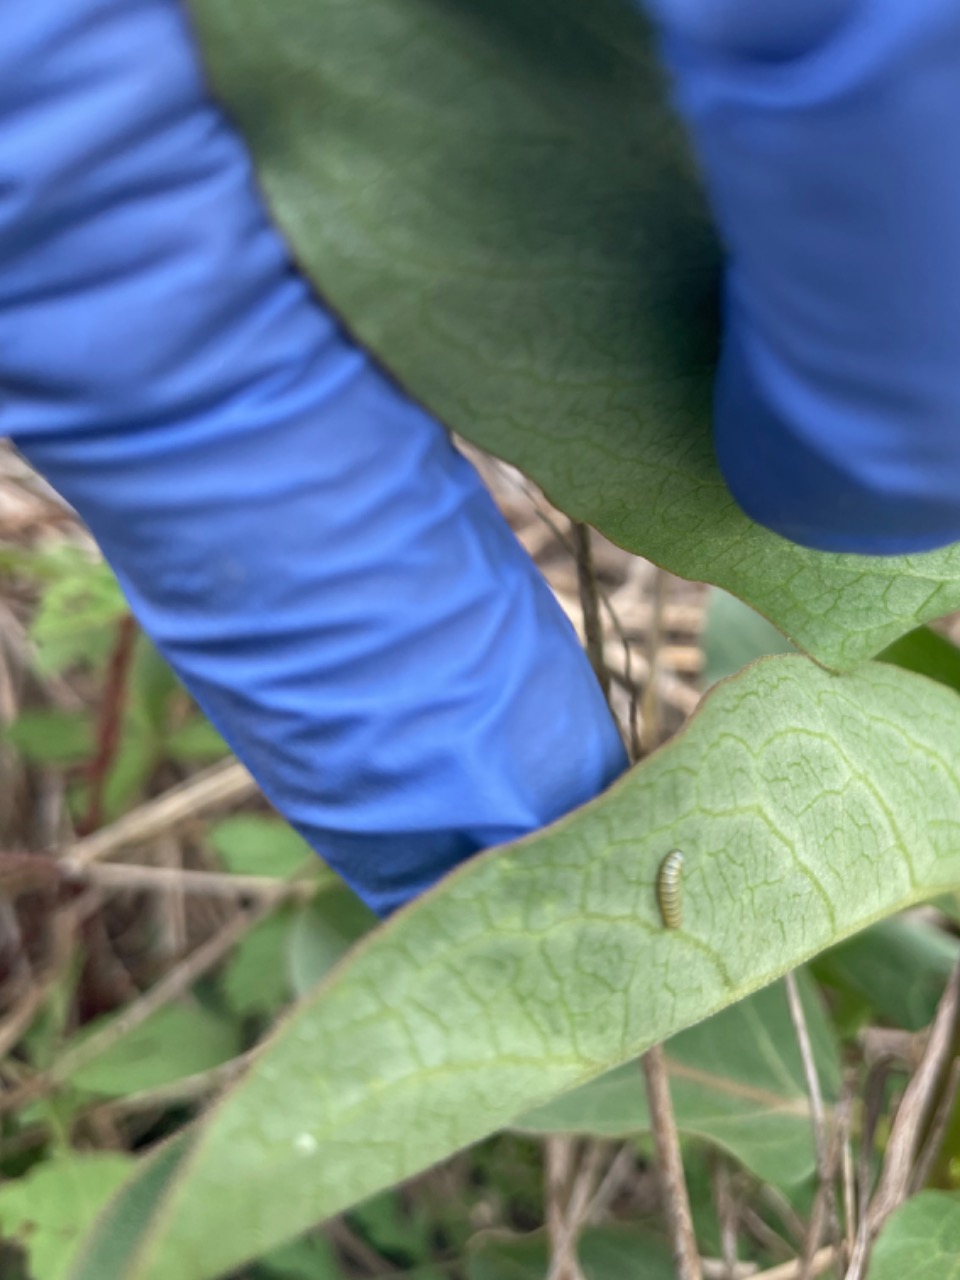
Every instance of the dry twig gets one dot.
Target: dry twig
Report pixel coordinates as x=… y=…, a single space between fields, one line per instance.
x=824 y=1205
x=670 y=1165
x=938 y=1128
x=650 y=705
x=590 y=604
x=823 y=1260
x=763 y=1233
x=224 y=784
x=560 y=1161
x=612 y=1183
x=906 y=1136
x=173 y=984
x=186 y=1089
x=109 y=721
x=727 y=1211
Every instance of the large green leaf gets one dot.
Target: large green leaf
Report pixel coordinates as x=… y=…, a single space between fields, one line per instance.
x=921 y=1240
x=808 y=806
x=496 y=197
x=736 y=1079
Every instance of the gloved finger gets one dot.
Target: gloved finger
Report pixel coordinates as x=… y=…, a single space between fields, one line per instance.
x=835 y=179
x=772 y=29
x=319 y=564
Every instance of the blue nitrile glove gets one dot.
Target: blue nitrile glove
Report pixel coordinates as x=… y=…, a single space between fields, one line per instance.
x=829 y=134
x=323 y=569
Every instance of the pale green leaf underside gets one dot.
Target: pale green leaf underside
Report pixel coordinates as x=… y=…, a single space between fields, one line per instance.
x=808 y=805
x=497 y=199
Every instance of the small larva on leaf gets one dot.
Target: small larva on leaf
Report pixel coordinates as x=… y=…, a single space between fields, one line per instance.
x=668 y=889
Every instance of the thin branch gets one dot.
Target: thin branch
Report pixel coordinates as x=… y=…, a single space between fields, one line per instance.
x=186 y=1089
x=905 y=1136
x=763 y=1233
x=817 y=1112
x=776 y=1201
x=824 y=1205
x=613 y=1182
x=670 y=1165
x=938 y=1129
x=848 y=1172
x=224 y=784
x=584 y=1185
x=823 y=1260
x=23 y=1013
x=357 y=1249
x=625 y=678
x=173 y=984
x=110 y=722
x=650 y=704
x=718 y=1269
x=590 y=604
x=726 y=1208
x=874 y=1100
x=560 y=1160
x=823 y=1208
x=116 y=876
x=26 y=872
x=567 y=1213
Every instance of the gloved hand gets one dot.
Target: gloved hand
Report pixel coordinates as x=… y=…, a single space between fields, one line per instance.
x=828 y=134
x=323 y=569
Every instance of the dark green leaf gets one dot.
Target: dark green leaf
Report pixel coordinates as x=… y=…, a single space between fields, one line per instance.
x=899 y=967
x=310 y=1259
x=195 y=742
x=78 y=613
x=323 y=933
x=151 y=687
x=53 y=737
x=178 y=1040
x=607 y=1253
x=253 y=845
x=254 y=979
x=497 y=198
x=928 y=653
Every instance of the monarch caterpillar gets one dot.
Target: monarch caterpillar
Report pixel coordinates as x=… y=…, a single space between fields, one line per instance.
x=668 y=889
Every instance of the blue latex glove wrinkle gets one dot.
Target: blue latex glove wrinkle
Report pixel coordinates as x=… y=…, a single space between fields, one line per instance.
x=323 y=569
x=827 y=133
